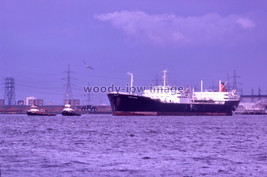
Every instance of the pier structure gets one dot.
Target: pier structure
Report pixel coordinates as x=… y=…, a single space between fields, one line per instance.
x=253 y=104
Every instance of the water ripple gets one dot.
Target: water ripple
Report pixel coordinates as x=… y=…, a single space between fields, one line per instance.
x=103 y=145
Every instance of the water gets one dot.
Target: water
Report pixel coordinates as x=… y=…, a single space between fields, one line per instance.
x=103 y=145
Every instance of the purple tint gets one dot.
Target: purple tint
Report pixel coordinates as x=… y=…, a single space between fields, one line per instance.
x=103 y=145
x=194 y=40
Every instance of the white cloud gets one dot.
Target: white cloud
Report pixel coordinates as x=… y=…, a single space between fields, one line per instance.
x=246 y=23
x=169 y=28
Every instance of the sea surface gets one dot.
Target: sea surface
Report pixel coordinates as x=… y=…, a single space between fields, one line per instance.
x=104 y=145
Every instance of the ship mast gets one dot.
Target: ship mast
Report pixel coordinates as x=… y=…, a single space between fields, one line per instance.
x=131 y=90
x=201 y=85
x=164 y=77
x=220 y=86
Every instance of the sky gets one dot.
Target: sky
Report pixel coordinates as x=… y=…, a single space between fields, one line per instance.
x=194 y=40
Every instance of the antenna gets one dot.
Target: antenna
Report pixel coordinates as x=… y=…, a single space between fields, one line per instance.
x=201 y=85
x=157 y=81
x=164 y=77
x=131 y=74
x=68 y=87
x=10 y=91
x=227 y=80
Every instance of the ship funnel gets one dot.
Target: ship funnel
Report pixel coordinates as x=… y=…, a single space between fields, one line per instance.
x=221 y=86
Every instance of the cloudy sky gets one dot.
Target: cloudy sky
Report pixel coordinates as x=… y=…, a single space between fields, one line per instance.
x=193 y=40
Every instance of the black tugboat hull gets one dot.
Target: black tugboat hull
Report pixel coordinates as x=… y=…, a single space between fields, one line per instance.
x=40 y=114
x=133 y=105
x=66 y=113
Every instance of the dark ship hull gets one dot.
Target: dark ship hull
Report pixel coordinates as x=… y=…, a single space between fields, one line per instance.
x=40 y=114
x=67 y=113
x=127 y=105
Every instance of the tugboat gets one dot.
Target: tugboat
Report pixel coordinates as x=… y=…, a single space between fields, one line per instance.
x=68 y=111
x=167 y=100
x=35 y=111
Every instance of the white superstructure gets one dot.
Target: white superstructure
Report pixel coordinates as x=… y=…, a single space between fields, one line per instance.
x=34 y=109
x=68 y=108
x=169 y=94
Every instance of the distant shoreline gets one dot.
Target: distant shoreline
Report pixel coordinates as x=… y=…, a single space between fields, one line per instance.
x=57 y=109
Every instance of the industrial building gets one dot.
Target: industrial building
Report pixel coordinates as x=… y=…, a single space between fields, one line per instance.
x=33 y=101
x=73 y=102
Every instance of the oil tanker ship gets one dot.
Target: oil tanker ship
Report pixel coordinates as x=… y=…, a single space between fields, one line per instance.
x=166 y=100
